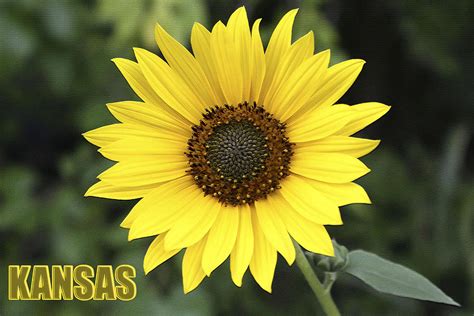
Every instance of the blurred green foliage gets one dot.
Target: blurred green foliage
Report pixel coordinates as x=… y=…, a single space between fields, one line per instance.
x=55 y=77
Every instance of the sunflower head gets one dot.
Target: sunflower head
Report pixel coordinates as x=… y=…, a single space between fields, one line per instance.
x=239 y=154
x=235 y=150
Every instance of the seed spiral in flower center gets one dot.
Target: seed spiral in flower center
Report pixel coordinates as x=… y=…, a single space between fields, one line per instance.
x=236 y=149
x=239 y=154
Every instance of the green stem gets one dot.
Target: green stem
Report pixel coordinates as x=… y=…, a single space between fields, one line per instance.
x=323 y=296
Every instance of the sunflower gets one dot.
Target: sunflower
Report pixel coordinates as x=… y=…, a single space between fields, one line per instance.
x=235 y=151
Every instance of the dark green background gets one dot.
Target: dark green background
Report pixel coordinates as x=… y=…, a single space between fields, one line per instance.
x=56 y=76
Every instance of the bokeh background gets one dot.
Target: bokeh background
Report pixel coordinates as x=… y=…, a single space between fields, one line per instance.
x=56 y=76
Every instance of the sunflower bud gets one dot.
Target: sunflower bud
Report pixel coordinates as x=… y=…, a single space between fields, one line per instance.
x=332 y=264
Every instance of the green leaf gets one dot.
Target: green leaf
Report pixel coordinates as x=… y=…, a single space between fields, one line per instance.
x=392 y=278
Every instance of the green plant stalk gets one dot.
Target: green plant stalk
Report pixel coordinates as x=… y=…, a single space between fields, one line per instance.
x=324 y=296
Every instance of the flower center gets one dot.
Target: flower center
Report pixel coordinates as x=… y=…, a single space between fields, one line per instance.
x=236 y=150
x=239 y=154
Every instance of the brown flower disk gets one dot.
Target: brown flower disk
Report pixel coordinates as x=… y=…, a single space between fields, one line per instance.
x=239 y=154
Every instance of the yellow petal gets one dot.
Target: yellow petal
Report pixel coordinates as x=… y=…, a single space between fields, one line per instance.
x=104 y=135
x=258 y=63
x=327 y=167
x=156 y=254
x=160 y=193
x=135 y=148
x=126 y=133
x=238 y=25
x=342 y=193
x=186 y=66
x=142 y=114
x=264 y=258
x=227 y=64
x=275 y=230
x=221 y=238
x=132 y=73
x=169 y=86
x=301 y=85
x=279 y=44
x=160 y=213
x=108 y=191
x=356 y=147
x=157 y=218
x=108 y=134
x=309 y=202
x=201 y=44
x=301 y=50
x=337 y=80
x=243 y=249
x=318 y=124
x=192 y=270
x=194 y=224
x=308 y=234
x=137 y=81
x=142 y=173
x=362 y=115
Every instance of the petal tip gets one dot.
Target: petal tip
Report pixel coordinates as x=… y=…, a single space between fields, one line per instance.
x=140 y=52
x=160 y=32
x=189 y=288
x=239 y=9
x=197 y=25
x=291 y=260
x=124 y=224
x=293 y=11
x=326 y=54
x=88 y=192
x=368 y=200
x=268 y=289
x=136 y=50
x=146 y=269
x=158 y=27
x=87 y=136
x=206 y=266
x=111 y=105
x=132 y=235
x=237 y=282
